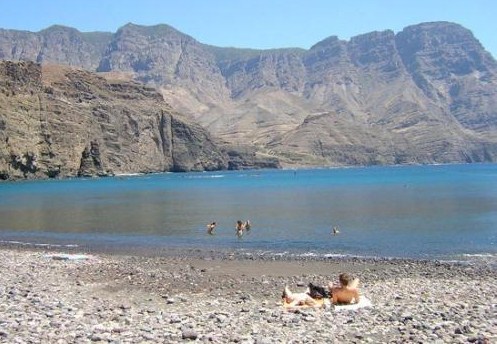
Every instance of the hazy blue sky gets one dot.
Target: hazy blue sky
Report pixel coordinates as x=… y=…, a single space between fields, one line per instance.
x=255 y=23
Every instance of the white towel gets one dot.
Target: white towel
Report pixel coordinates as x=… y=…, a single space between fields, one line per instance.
x=66 y=256
x=363 y=302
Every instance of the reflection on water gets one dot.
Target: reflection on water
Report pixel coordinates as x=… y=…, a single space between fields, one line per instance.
x=407 y=211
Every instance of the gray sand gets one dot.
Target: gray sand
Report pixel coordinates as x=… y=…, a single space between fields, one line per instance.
x=227 y=299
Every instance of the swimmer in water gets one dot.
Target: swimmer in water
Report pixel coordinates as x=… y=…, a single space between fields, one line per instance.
x=210 y=228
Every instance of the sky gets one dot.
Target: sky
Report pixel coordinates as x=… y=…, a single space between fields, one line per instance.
x=258 y=24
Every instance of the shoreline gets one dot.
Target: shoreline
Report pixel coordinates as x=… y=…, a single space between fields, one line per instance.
x=285 y=168
x=227 y=298
x=230 y=253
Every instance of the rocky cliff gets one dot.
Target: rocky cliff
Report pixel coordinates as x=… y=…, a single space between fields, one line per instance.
x=56 y=44
x=58 y=121
x=427 y=94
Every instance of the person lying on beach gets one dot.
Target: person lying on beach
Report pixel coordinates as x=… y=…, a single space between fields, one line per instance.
x=297 y=299
x=347 y=292
x=210 y=228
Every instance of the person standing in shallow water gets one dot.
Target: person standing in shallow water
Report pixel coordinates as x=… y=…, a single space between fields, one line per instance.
x=335 y=230
x=240 y=227
x=210 y=228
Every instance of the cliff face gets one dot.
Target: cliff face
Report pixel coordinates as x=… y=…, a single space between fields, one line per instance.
x=56 y=44
x=160 y=55
x=427 y=94
x=57 y=121
x=454 y=71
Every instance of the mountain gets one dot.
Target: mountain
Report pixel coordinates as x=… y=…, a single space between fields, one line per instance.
x=427 y=94
x=58 y=122
x=56 y=44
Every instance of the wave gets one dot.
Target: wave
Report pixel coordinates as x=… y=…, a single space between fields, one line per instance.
x=466 y=259
x=323 y=255
x=128 y=174
x=205 y=177
x=32 y=244
x=480 y=255
x=296 y=254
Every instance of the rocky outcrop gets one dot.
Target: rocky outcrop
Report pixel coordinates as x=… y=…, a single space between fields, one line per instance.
x=244 y=157
x=91 y=162
x=193 y=149
x=427 y=94
x=57 y=122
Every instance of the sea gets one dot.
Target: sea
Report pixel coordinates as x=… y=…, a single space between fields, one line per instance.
x=435 y=212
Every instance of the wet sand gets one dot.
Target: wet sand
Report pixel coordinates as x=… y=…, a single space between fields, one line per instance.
x=232 y=298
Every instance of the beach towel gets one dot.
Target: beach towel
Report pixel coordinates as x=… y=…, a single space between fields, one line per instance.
x=66 y=256
x=363 y=303
x=326 y=303
x=320 y=303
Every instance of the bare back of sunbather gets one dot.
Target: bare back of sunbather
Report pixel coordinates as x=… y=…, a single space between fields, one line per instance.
x=347 y=293
x=342 y=295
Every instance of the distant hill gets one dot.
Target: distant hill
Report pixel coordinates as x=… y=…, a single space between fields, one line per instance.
x=427 y=94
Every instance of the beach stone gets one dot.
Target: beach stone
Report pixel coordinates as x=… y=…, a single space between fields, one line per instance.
x=152 y=337
x=189 y=334
x=221 y=318
x=245 y=310
x=462 y=330
x=262 y=340
x=175 y=319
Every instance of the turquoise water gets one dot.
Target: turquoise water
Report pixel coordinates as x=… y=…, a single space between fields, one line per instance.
x=411 y=211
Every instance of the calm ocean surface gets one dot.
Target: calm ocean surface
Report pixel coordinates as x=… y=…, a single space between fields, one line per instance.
x=435 y=212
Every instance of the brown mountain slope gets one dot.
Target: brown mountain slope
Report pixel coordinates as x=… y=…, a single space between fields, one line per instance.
x=427 y=94
x=56 y=44
x=58 y=121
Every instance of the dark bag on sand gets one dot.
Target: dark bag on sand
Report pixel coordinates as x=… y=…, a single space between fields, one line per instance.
x=317 y=292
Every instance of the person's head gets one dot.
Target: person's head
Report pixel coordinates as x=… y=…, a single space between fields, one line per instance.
x=239 y=222
x=345 y=279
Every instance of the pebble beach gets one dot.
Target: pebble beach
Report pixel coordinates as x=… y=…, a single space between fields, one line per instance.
x=49 y=296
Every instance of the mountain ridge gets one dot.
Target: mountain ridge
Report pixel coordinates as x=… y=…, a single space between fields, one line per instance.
x=57 y=121
x=426 y=94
